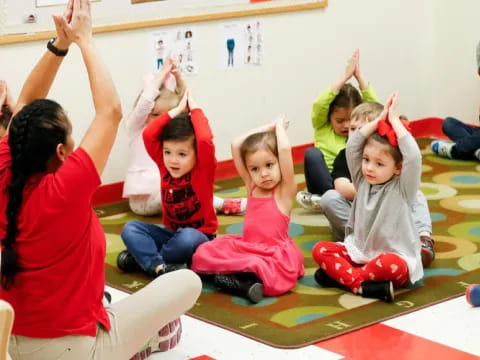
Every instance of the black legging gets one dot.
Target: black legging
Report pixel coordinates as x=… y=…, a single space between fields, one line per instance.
x=317 y=176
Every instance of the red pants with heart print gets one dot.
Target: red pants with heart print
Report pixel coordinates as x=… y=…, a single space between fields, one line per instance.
x=335 y=261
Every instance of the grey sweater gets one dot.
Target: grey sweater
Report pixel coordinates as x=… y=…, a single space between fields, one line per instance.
x=381 y=219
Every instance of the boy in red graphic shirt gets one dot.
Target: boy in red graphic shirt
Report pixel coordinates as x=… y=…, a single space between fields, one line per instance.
x=181 y=144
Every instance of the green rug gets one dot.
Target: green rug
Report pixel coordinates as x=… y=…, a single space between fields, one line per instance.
x=310 y=313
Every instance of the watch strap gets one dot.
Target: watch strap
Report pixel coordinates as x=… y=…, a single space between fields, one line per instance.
x=54 y=49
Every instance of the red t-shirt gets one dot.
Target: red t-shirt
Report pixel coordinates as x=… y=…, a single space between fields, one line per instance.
x=188 y=200
x=61 y=249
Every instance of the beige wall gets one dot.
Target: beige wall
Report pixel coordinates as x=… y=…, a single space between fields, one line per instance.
x=405 y=45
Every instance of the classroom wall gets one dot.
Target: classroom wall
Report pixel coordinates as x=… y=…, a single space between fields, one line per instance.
x=404 y=46
x=455 y=83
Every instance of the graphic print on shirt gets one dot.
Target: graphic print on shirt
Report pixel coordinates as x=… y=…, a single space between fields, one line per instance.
x=181 y=202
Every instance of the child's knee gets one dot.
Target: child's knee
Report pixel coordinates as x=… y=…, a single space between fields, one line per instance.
x=321 y=249
x=130 y=231
x=330 y=198
x=189 y=239
x=313 y=154
x=448 y=124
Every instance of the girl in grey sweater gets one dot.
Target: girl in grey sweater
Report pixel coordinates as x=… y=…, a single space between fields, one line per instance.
x=381 y=249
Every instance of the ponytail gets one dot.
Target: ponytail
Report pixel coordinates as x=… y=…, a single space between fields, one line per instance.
x=34 y=134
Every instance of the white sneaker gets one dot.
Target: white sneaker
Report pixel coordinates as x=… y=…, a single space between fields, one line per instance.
x=167 y=338
x=309 y=201
x=442 y=148
x=477 y=154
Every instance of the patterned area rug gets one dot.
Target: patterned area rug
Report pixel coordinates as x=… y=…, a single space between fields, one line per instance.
x=310 y=313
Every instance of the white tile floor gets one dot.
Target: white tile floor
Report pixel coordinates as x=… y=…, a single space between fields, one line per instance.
x=453 y=323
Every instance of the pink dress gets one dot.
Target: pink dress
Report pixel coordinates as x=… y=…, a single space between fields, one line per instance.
x=265 y=249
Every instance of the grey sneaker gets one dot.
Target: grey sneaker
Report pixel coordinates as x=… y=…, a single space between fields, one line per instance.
x=309 y=201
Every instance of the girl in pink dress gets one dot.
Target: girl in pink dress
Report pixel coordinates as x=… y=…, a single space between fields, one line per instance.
x=264 y=260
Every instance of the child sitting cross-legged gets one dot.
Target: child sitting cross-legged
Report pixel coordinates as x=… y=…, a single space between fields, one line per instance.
x=337 y=203
x=180 y=142
x=385 y=164
x=264 y=259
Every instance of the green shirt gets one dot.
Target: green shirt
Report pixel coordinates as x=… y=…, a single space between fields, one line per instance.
x=325 y=138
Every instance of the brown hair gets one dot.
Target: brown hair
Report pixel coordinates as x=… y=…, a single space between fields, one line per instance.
x=261 y=140
x=392 y=150
x=348 y=97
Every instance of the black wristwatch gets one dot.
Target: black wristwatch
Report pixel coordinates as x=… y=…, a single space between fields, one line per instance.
x=54 y=49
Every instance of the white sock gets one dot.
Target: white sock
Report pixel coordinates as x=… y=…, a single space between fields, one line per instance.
x=218 y=202
x=243 y=205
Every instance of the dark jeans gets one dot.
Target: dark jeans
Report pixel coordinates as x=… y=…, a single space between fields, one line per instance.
x=152 y=245
x=466 y=138
x=317 y=176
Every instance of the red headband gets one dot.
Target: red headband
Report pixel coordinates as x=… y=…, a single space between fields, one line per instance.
x=385 y=129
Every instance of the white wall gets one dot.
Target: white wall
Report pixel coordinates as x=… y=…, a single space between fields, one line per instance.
x=455 y=83
x=400 y=47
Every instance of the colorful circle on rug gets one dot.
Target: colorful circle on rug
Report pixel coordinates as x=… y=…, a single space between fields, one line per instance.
x=449 y=162
x=469 y=204
x=301 y=315
x=426 y=168
x=459 y=179
x=308 y=218
x=437 y=191
x=208 y=287
x=227 y=191
x=447 y=247
x=266 y=301
x=436 y=217
x=121 y=218
x=444 y=217
x=306 y=242
x=308 y=286
x=441 y=272
x=351 y=301
x=467 y=230
x=237 y=192
x=470 y=262
x=293 y=229
x=236 y=228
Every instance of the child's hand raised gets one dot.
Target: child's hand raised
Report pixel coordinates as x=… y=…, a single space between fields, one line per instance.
x=282 y=121
x=161 y=75
x=182 y=106
x=357 y=72
x=192 y=104
x=181 y=85
x=393 y=112
x=352 y=65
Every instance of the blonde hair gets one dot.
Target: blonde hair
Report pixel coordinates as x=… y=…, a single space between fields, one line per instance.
x=367 y=111
x=166 y=99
